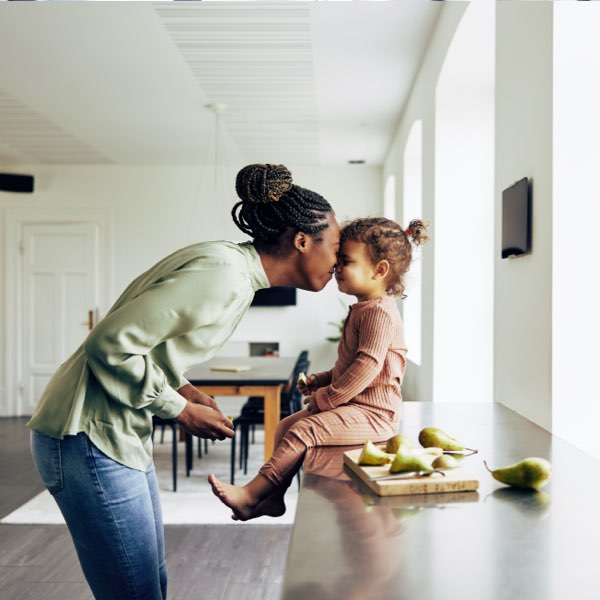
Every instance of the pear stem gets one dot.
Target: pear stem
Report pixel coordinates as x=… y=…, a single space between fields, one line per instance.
x=471 y=451
x=490 y=470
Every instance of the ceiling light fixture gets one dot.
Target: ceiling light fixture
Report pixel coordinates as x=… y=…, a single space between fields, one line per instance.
x=215 y=192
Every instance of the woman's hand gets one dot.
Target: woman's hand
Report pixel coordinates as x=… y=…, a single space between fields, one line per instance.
x=205 y=422
x=196 y=396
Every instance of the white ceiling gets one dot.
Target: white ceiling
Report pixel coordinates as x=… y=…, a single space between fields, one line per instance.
x=128 y=82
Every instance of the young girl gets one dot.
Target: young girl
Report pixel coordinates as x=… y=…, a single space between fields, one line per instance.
x=360 y=397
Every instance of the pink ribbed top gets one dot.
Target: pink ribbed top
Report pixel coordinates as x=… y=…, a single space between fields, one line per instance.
x=371 y=360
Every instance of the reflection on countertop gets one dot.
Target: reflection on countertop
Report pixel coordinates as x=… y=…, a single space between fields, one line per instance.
x=350 y=543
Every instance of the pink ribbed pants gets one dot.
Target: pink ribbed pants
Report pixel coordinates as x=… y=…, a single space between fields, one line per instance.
x=344 y=425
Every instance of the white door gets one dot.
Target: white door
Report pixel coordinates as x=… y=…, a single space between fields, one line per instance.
x=59 y=291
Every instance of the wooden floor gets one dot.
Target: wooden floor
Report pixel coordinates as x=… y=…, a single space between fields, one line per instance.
x=227 y=562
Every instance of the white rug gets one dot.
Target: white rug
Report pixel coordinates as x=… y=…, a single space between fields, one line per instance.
x=193 y=503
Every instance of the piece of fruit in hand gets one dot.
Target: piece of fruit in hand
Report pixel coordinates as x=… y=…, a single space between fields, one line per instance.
x=302 y=381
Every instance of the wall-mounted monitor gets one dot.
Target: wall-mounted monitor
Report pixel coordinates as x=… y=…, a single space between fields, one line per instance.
x=516 y=219
x=275 y=296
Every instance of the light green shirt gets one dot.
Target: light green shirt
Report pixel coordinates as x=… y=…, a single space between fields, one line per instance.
x=174 y=316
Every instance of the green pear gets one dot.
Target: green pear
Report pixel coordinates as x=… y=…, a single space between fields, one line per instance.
x=445 y=461
x=393 y=444
x=530 y=473
x=372 y=455
x=432 y=436
x=408 y=461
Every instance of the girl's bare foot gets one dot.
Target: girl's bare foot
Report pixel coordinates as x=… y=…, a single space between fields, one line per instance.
x=243 y=504
x=273 y=506
x=237 y=498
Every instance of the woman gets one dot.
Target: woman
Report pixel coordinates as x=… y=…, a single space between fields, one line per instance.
x=91 y=431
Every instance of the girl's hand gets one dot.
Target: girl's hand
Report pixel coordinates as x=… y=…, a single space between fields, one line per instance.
x=310 y=387
x=311 y=404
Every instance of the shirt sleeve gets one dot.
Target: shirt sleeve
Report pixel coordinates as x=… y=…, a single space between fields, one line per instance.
x=323 y=378
x=118 y=348
x=374 y=339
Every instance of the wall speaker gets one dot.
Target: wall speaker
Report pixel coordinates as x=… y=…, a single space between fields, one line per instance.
x=11 y=182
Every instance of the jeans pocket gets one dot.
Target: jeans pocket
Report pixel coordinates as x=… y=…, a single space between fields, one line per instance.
x=47 y=458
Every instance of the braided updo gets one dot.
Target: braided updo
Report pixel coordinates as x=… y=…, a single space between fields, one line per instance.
x=271 y=205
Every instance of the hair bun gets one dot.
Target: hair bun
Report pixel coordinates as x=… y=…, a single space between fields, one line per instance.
x=263 y=183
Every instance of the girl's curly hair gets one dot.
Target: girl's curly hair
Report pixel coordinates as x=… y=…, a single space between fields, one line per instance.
x=386 y=240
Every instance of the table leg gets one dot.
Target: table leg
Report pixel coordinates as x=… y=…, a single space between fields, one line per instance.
x=272 y=404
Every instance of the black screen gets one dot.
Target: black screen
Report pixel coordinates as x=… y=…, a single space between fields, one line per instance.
x=11 y=182
x=516 y=219
x=275 y=296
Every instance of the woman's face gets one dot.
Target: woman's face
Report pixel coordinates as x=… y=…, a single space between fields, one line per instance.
x=319 y=259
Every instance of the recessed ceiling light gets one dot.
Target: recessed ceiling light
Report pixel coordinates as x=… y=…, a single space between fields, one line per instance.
x=356 y=162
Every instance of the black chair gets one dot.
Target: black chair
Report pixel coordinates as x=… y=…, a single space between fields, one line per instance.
x=253 y=413
x=172 y=423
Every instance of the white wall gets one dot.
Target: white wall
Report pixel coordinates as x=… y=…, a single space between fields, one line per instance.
x=151 y=209
x=418 y=382
x=523 y=286
x=464 y=213
x=576 y=154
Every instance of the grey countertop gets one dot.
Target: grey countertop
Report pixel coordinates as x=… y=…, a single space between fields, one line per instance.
x=497 y=543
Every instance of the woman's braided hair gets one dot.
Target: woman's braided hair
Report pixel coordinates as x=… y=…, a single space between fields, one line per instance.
x=271 y=205
x=386 y=240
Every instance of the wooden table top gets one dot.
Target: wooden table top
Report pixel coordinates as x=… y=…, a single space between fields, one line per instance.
x=263 y=371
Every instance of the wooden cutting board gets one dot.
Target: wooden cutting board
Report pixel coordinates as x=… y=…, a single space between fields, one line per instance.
x=454 y=480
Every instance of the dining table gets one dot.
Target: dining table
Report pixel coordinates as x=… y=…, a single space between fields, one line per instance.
x=497 y=542
x=261 y=376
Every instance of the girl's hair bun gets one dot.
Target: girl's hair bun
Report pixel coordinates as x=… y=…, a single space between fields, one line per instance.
x=417 y=230
x=263 y=183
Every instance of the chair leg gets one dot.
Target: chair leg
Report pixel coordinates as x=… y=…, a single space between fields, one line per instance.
x=189 y=453
x=242 y=433
x=199 y=448
x=174 y=457
x=246 y=450
x=232 y=471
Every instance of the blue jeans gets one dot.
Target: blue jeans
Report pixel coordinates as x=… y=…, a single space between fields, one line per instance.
x=113 y=514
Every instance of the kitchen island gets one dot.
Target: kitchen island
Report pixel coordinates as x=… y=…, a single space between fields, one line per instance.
x=496 y=543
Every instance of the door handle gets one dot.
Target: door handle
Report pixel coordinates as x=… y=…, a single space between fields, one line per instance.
x=92 y=319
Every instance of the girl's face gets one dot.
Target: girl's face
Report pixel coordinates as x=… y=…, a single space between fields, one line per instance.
x=356 y=274
x=319 y=260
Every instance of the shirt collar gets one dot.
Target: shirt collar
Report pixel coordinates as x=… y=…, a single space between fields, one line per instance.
x=258 y=277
